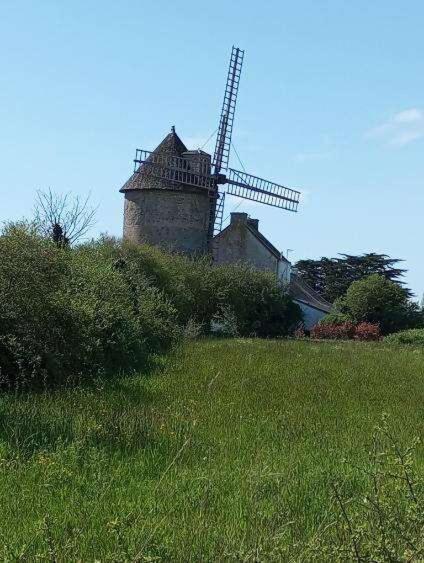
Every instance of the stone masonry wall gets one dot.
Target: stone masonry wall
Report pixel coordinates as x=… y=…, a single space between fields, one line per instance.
x=174 y=220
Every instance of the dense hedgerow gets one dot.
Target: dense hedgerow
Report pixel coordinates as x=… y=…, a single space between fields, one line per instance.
x=187 y=283
x=414 y=336
x=256 y=301
x=68 y=312
x=202 y=293
x=108 y=305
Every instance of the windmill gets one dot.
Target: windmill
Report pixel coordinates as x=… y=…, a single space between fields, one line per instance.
x=182 y=169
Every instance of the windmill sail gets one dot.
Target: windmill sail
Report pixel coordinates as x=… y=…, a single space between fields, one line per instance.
x=225 y=129
x=251 y=187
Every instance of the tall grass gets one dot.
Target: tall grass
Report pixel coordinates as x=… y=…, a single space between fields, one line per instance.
x=228 y=452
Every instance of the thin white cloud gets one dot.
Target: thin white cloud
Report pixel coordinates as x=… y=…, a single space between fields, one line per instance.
x=409 y=116
x=401 y=129
x=406 y=137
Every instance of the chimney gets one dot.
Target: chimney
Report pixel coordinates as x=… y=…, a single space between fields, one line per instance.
x=239 y=218
x=254 y=223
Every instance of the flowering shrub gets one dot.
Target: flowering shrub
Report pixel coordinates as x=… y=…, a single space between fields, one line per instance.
x=342 y=331
x=367 y=331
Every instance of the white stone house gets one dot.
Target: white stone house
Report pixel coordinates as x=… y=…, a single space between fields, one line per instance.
x=241 y=241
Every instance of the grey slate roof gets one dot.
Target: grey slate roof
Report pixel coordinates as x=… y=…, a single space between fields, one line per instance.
x=172 y=145
x=300 y=291
x=298 y=288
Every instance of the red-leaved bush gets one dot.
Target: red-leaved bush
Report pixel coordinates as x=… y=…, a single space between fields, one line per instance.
x=299 y=333
x=367 y=331
x=342 y=331
x=346 y=331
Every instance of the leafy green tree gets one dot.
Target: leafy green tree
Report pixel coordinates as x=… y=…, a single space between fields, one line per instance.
x=331 y=277
x=377 y=299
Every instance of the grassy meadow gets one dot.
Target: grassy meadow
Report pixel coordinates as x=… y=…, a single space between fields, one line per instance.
x=226 y=451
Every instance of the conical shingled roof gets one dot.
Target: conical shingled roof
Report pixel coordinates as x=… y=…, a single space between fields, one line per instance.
x=172 y=145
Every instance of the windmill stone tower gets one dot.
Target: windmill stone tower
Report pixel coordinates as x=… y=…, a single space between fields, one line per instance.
x=163 y=211
x=175 y=198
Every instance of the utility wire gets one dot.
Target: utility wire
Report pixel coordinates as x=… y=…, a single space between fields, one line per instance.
x=232 y=211
x=206 y=142
x=238 y=158
x=244 y=170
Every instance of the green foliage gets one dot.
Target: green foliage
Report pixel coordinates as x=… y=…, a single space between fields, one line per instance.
x=186 y=282
x=257 y=303
x=372 y=296
x=331 y=277
x=122 y=323
x=335 y=317
x=413 y=336
x=68 y=312
x=37 y=329
x=378 y=300
x=200 y=292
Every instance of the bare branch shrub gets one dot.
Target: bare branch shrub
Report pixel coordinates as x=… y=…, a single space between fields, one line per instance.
x=65 y=218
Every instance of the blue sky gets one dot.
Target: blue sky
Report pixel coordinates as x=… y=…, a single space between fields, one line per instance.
x=331 y=102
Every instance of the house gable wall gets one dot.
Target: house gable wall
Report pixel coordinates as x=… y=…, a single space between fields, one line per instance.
x=238 y=244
